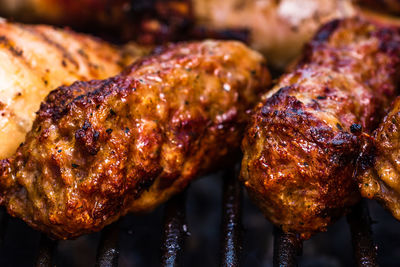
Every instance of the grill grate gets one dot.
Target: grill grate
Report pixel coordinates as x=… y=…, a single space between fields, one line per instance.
x=108 y=251
x=46 y=253
x=231 y=220
x=365 y=251
x=287 y=246
x=174 y=231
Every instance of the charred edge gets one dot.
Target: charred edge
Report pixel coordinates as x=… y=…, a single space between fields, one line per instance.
x=365 y=252
x=280 y=96
x=54 y=106
x=295 y=113
x=174 y=231
x=146 y=181
x=287 y=246
x=367 y=157
x=322 y=36
x=81 y=94
x=87 y=138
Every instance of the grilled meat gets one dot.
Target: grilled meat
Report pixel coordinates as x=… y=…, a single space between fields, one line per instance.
x=379 y=165
x=278 y=29
x=302 y=141
x=37 y=59
x=100 y=149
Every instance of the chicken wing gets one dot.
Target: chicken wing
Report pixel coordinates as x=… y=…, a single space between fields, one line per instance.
x=302 y=141
x=100 y=149
x=37 y=59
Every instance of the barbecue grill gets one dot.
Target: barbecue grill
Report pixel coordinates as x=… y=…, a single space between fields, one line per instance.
x=287 y=248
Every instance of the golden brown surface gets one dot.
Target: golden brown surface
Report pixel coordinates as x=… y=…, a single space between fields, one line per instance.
x=36 y=59
x=301 y=144
x=378 y=170
x=100 y=149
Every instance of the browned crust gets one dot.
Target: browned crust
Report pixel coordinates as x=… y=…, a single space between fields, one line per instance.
x=302 y=142
x=100 y=149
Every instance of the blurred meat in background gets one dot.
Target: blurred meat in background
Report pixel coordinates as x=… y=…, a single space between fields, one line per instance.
x=387 y=6
x=278 y=29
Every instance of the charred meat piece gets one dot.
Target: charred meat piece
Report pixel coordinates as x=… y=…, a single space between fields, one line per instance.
x=302 y=143
x=378 y=171
x=36 y=59
x=101 y=149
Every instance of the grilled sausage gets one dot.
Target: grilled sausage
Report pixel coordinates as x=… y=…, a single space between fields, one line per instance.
x=101 y=149
x=302 y=141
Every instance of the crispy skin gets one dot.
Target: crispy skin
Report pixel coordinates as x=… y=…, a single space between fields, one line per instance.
x=299 y=149
x=378 y=170
x=36 y=59
x=100 y=149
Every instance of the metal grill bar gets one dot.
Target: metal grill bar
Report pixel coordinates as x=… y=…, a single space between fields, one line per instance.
x=365 y=251
x=231 y=220
x=287 y=247
x=46 y=252
x=174 y=231
x=108 y=251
